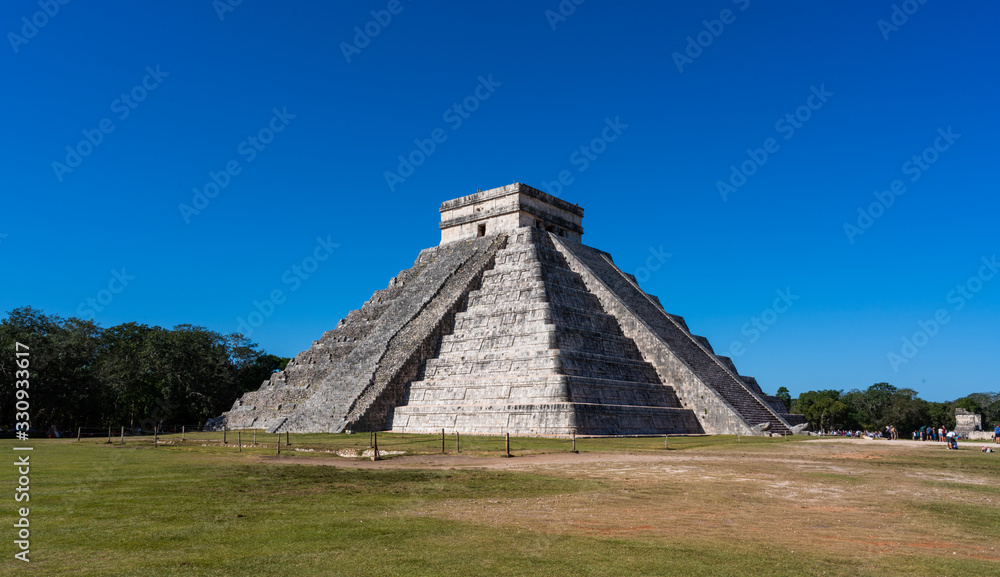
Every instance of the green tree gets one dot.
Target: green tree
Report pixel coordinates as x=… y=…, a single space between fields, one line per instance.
x=126 y=369
x=941 y=414
x=785 y=397
x=906 y=411
x=63 y=390
x=874 y=406
x=969 y=404
x=824 y=409
x=130 y=374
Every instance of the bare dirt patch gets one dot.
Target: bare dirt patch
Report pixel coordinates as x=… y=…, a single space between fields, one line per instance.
x=842 y=497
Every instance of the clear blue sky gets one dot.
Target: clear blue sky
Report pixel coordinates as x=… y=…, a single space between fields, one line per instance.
x=202 y=93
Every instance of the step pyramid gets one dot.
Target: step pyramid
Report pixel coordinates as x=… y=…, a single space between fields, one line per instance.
x=512 y=325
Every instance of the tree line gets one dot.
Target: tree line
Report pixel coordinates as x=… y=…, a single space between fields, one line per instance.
x=138 y=376
x=882 y=405
x=131 y=375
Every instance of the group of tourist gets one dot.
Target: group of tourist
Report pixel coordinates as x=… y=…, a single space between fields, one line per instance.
x=930 y=434
x=940 y=434
x=859 y=434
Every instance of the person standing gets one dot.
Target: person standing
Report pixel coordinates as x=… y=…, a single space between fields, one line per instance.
x=996 y=433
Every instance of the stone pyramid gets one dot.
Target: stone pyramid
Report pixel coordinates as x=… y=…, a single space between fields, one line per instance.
x=511 y=325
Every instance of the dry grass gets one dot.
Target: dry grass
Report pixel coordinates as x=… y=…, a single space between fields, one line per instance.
x=707 y=506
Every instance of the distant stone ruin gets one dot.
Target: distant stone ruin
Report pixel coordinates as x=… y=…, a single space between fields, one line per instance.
x=967 y=422
x=511 y=325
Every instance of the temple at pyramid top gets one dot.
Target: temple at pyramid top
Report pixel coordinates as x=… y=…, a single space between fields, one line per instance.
x=509 y=208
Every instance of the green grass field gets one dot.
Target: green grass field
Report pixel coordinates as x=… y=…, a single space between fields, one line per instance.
x=706 y=506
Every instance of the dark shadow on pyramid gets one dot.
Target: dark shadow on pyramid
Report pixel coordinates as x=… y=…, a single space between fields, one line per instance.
x=512 y=325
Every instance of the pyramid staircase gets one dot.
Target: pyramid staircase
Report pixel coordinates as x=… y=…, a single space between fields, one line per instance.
x=535 y=354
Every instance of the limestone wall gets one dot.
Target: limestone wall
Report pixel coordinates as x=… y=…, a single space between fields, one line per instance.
x=967 y=422
x=506 y=209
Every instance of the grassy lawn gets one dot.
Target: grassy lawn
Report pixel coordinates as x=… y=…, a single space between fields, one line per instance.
x=707 y=506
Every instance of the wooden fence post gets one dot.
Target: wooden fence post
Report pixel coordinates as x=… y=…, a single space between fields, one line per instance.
x=239 y=441
x=288 y=438
x=109 y=436
x=574 y=442
x=458 y=442
x=123 y=434
x=224 y=430
x=442 y=441
x=374 y=446
x=79 y=433
x=183 y=430
x=508 y=444
x=156 y=431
